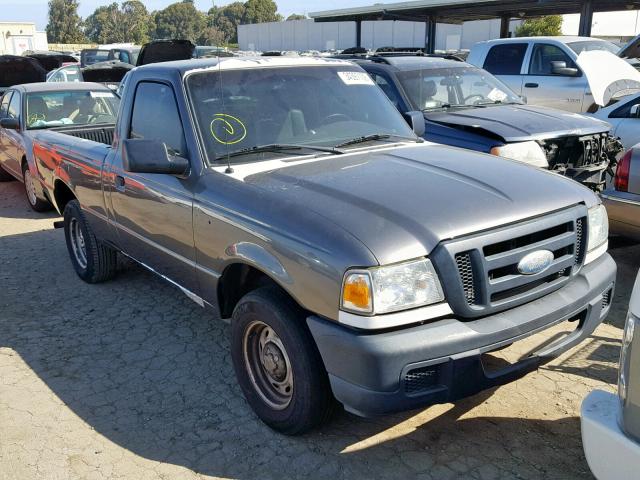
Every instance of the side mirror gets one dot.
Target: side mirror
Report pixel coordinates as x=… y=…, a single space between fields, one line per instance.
x=416 y=122
x=151 y=156
x=635 y=111
x=560 y=68
x=10 y=123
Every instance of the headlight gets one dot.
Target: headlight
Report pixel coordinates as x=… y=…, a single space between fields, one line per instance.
x=625 y=357
x=391 y=288
x=598 y=232
x=526 y=152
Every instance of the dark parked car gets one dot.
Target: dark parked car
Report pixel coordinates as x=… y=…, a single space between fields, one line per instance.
x=465 y=106
x=355 y=260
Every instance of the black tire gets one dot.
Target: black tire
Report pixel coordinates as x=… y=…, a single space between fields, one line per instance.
x=100 y=261
x=311 y=402
x=35 y=202
x=5 y=176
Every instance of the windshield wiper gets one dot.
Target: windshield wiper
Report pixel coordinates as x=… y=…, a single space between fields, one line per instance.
x=375 y=136
x=277 y=147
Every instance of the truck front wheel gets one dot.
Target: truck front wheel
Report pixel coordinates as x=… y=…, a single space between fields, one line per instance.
x=93 y=261
x=277 y=363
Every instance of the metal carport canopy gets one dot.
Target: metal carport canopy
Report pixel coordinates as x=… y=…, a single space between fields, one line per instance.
x=454 y=11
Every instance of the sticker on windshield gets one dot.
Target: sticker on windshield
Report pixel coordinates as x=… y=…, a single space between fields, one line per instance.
x=497 y=95
x=100 y=94
x=355 y=78
x=227 y=129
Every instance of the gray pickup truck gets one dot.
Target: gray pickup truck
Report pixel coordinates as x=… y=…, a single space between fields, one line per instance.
x=355 y=261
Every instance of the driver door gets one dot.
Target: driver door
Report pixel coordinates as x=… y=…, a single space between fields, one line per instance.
x=153 y=212
x=544 y=88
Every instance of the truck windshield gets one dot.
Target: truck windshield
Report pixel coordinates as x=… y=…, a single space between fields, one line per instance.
x=240 y=112
x=457 y=87
x=589 y=45
x=82 y=107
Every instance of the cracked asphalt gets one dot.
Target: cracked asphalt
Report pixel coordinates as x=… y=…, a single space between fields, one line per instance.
x=130 y=379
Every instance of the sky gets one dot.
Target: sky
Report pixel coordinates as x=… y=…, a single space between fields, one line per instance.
x=36 y=10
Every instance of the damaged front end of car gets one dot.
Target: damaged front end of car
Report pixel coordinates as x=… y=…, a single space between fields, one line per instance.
x=586 y=159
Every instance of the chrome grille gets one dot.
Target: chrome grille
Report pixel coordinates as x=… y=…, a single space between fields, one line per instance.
x=486 y=264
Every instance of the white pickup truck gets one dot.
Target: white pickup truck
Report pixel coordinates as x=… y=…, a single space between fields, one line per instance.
x=545 y=70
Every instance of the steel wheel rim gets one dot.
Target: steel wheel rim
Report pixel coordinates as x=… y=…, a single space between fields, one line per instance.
x=77 y=243
x=268 y=365
x=30 y=187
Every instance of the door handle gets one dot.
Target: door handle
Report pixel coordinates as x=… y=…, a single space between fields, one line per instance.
x=531 y=85
x=120 y=183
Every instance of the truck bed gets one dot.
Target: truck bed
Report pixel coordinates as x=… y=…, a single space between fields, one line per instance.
x=100 y=133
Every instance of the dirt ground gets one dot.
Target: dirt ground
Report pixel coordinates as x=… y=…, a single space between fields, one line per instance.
x=130 y=379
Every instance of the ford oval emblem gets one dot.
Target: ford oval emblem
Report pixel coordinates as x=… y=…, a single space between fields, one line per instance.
x=535 y=262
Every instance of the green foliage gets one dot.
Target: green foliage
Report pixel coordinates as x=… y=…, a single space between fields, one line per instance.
x=551 y=25
x=179 y=20
x=259 y=11
x=65 y=25
x=296 y=16
x=113 y=24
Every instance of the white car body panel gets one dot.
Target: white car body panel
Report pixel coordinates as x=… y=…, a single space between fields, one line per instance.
x=611 y=455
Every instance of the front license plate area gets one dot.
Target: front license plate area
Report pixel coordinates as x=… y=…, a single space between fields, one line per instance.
x=520 y=350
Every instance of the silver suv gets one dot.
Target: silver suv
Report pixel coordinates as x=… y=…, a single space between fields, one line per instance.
x=545 y=69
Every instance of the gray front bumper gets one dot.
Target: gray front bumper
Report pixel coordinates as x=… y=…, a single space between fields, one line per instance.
x=369 y=371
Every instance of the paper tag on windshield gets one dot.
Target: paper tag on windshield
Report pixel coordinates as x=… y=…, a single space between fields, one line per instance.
x=100 y=94
x=497 y=95
x=355 y=78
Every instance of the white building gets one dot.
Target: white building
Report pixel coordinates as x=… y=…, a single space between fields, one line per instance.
x=310 y=35
x=616 y=26
x=16 y=37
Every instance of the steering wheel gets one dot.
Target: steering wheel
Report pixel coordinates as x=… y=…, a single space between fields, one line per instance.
x=480 y=97
x=335 y=117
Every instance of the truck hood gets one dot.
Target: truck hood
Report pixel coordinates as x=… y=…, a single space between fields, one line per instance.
x=165 y=51
x=631 y=50
x=519 y=123
x=608 y=75
x=16 y=70
x=401 y=202
x=112 y=71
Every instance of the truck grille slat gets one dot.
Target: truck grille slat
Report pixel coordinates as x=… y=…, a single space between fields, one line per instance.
x=486 y=264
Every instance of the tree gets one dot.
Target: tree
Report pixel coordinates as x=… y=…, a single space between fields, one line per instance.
x=135 y=22
x=226 y=20
x=296 y=16
x=65 y=25
x=179 y=20
x=259 y=11
x=113 y=24
x=550 y=25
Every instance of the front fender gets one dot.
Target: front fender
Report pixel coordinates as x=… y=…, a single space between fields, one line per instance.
x=259 y=258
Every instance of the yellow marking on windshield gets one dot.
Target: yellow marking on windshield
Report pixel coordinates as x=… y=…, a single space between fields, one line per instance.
x=227 y=129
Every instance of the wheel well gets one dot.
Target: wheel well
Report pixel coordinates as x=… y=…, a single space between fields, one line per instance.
x=236 y=281
x=62 y=195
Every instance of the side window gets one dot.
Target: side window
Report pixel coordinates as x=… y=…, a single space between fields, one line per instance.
x=155 y=117
x=542 y=57
x=389 y=90
x=505 y=59
x=14 y=106
x=4 y=105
